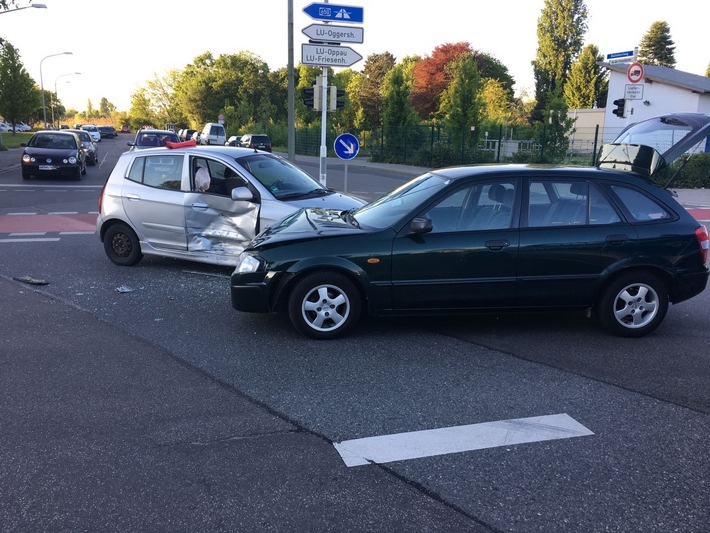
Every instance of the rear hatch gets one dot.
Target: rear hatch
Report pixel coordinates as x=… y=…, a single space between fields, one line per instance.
x=650 y=145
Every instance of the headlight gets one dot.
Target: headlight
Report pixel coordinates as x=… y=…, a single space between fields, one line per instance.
x=72 y=160
x=247 y=263
x=26 y=158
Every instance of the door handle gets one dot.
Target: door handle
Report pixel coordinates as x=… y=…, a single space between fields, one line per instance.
x=133 y=197
x=497 y=244
x=199 y=205
x=617 y=238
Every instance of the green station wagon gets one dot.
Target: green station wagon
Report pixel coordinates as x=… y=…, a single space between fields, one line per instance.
x=605 y=240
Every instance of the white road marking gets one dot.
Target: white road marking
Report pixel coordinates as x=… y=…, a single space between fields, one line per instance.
x=30 y=240
x=431 y=442
x=27 y=234
x=63 y=213
x=77 y=232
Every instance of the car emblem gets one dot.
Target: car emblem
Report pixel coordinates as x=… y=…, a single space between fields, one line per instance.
x=49 y=160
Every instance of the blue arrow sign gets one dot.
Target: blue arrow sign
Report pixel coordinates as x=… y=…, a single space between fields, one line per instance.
x=346 y=146
x=335 y=13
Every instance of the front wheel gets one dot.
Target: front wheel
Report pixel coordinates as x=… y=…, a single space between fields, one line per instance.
x=633 y=305
x=324 y=305
x=122 y=246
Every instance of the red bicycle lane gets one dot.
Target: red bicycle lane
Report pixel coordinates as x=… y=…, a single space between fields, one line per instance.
x=48 y=223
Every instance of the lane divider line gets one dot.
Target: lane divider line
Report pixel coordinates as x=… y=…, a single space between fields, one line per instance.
x=457 y=439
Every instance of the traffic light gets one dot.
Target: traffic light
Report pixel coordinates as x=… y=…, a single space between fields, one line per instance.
x=620 y=110
x=335 y=95
x=312 y=96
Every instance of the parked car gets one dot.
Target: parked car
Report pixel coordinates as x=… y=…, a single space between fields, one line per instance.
x=107 y=132
x=21 y=126
x=233 y=140
x=93 y=131
x=152 y=139
x=186 y=134
x=88 y=145
x=53 y=153
x=495 y=237
x=213 y=133
x=203 y=215
x=5 y=127
x=125 y=129
x=257 y=141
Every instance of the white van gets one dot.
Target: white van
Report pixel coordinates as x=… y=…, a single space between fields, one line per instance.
x=213 y=133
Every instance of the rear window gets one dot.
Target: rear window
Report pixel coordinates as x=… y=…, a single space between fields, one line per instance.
x=641 y=207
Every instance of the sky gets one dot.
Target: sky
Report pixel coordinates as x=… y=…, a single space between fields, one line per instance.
x=118 y=46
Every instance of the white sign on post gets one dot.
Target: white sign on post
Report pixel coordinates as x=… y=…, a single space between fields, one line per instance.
x=634 y=91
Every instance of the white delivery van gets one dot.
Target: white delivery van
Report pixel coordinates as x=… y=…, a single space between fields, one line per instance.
x=213 y=133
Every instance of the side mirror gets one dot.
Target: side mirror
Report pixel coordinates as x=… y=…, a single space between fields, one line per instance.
x=242 y=194
x=421 y=225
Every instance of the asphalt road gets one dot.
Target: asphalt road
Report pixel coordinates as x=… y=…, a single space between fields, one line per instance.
x=137 y=399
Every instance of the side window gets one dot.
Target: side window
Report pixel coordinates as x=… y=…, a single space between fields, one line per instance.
x=163 y=171
x=640 y=207
x=600 y=209
x=482 y=206
x=136 y=172
x=557 y=203
x=214 y=177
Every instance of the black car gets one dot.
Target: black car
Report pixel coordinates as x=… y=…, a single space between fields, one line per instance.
x=53 y=153
x=90 y=148
x=108 y=132
x=495 y=237
x=258 y=141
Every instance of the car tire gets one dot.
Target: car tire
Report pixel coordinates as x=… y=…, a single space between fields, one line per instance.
x=633 y=305
x=25 y=175
x=324 y=305
x=121 y=245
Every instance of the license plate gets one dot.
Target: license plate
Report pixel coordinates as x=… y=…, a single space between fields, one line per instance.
x=47 y=167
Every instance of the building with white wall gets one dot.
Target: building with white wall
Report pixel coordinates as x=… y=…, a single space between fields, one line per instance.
x=662 y=90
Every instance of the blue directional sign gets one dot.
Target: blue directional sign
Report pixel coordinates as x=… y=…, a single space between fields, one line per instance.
x=335 y=13
x=346 y=146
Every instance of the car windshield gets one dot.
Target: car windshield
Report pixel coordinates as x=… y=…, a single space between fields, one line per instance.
x=89 y=128
x=283 y=179
x=387 y=210
x=53 y=140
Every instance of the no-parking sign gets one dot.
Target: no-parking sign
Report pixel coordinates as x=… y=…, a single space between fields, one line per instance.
x=635 y=72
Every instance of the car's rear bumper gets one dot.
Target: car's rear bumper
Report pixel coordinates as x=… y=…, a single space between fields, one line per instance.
x=689 y=284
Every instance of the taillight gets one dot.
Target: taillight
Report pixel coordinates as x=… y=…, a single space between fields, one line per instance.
x=701 y=233
x=101 y=196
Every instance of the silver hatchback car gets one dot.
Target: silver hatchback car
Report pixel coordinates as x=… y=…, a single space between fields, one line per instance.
x=201 y=203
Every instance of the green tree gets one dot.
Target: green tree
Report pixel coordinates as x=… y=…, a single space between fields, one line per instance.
x=106 y=107
x=208 y=86
x=496 y=105
x=461 y=105
x=657 y=47
x=19 y=95
x=560 y=37
x=140 y=113
x=586 y=81
x=553 y=132
x=707 y=71
x=399 y=118
x=369 y=97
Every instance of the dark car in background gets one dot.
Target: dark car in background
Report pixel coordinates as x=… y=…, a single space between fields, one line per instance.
x=90 y=148
x=258 y=141
x=108 y=132
x=53 y=153
x=604 y=240
x=152 y=139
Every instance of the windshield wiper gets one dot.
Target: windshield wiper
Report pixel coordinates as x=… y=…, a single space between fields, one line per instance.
x=313 y=192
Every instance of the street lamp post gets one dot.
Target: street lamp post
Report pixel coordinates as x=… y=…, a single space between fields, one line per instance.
x=41 y=84
x=55 y=91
